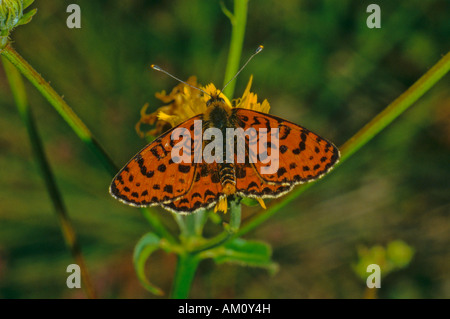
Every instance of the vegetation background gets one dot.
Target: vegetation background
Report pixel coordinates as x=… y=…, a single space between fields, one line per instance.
x=321 y=68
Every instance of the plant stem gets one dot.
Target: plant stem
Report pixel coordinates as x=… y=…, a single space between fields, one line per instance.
x=158 y=227
x=188 y=262
x=235 y=216
x=238 y=24
x=78 y=127
x=68 y=231
x=397 y=107
x=190 y=222
x=60 y=106
x=200 y=220
x=184 y=275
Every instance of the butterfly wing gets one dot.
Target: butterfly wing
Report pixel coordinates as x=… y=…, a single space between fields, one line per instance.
x=205 y=191
x=249 y=183
x=151 y=177
x=303 y=156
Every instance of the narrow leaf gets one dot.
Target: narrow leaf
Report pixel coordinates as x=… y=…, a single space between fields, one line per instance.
x=27 y=3
x=244 y=252
x=247 y=201
x=27 y=17
x=144 y=248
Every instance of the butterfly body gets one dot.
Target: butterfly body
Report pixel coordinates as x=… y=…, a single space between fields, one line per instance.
x=219 y=115
x=154 y=177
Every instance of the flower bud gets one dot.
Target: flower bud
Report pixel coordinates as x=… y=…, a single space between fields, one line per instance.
x=10 y=13
x=11 y=16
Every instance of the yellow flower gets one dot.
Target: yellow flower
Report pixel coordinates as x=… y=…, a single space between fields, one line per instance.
x=186 y=102
x=249 y=100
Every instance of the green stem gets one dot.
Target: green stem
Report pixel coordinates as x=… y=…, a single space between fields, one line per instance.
x=188 y=225
x=190 y=222
x=60 y=106
x=238 y=24
x=78 y=127
x=184 y=275
x=158 y=227
x=397 y=107
x=362 y=137
x=187 y=263
x=235 y=216
x=67 y=229
x=180 y=222
x=200 y=220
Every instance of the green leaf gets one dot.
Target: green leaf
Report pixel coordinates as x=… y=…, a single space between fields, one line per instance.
x=144 y=248
x=27 y=17
x=247 y=201
x=245 y=252
x=227 y=12
x=27 y=3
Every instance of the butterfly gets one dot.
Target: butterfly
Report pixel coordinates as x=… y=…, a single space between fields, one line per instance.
x=154 y=176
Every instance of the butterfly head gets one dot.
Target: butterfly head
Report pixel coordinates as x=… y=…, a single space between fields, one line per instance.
x=215 y=100
x=218 y=111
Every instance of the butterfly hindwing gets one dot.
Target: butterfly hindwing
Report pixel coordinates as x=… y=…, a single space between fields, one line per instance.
x=249 y=183
x=151 y=177
x=205 y=191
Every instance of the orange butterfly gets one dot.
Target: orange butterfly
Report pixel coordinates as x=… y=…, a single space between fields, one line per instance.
x=155 y=176
x=152 y=177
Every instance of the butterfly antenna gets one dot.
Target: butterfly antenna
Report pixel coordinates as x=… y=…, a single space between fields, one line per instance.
x=157 y=68
x=258 y=49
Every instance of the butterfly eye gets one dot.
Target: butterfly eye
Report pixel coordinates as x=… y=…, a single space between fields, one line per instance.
x=208 y=103
x=221 y=100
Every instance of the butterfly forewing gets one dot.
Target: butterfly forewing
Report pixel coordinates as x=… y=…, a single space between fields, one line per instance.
x=303 y=156
x=152 y=177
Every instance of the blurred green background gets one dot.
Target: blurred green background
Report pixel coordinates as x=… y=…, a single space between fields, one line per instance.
x=321 y=68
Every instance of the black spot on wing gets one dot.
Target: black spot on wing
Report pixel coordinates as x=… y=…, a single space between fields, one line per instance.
x=168 y=189
x=284 y=131
x=184 y=168
x=120 y=179
x=252 y=185
x=196 y=195
x=281 y=171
